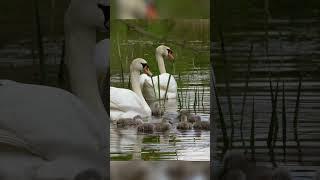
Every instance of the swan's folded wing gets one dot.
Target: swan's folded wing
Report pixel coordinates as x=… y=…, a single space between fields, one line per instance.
x=164 y=78
x=125 y=100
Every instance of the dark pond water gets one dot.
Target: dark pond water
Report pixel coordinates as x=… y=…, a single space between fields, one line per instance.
x=282 y=52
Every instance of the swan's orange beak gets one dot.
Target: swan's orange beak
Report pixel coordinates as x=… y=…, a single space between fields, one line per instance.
x=147 y=71
x=151 y=11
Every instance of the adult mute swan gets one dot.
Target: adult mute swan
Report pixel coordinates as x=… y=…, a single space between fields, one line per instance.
x=136 y=9
x=49 y=133
x=125 y=103
x=152 y=93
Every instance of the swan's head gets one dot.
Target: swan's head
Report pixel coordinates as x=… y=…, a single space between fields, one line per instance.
x=140 y=65
x=165 y=51
x=92 y=14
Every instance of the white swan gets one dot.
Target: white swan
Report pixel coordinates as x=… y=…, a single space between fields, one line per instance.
x=58 y=134
x=136 y=9
x=146 y=84
x=125 y=103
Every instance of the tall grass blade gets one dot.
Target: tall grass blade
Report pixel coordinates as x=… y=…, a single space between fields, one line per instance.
x=195 y=101
x=165 y=95
x=120 y=58
x=159 y=98
x=43 y=74
x=202 y=99
x=61 y=73
x=227 y=82
x=244 y=98
x=295 y=120
x=284 y=122
x=154 y=88
x=273 y=128
x=252 y=137
x=221 y=119
x=181 y=89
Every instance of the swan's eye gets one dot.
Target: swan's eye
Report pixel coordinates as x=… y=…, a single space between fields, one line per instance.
x=170 y=51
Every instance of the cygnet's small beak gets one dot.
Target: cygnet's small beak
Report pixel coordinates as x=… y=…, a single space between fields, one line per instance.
x=147 y=71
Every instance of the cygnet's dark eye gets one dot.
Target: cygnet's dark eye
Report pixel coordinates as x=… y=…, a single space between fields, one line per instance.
x=170 y=51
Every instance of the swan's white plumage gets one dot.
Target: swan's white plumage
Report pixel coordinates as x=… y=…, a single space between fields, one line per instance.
x=125 y=103
x=149 y=89
x=149 y=92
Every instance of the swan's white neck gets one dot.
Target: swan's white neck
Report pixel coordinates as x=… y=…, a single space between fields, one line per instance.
x=161 y=66
x=80 y=44
x=135 y=85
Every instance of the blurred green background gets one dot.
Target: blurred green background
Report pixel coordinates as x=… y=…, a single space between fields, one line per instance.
x=189 y=40
x=192 y=9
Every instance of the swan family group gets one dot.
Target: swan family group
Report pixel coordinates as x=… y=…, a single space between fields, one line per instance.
x=130 y=108
x=126 y=104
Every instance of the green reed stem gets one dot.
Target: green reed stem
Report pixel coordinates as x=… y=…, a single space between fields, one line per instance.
x=221 y=119
x=227 y=82
x=202 y=98
x=195 y=101
x=252 y=137
x=181 y=95
x=159 y=91
x=120 y=58
x=43 y=74
x=154 y=88
x=244 y=98
x=295 y=120
x=284 y=122
x=165 y=95
x=61 y=80
x=273 y=128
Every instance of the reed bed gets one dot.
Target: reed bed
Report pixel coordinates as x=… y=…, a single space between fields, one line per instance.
x=244 y=98
x=43 y=73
